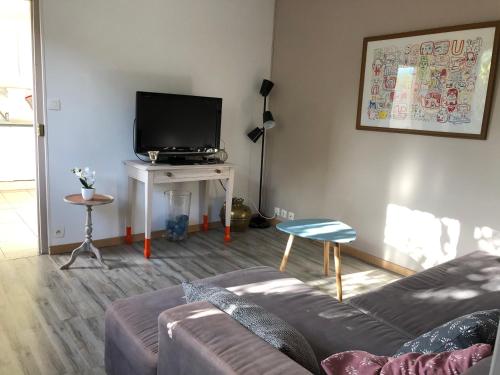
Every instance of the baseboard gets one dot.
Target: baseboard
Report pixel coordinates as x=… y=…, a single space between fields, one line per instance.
x=372 y=259
x=116 y=241
x=376 y=261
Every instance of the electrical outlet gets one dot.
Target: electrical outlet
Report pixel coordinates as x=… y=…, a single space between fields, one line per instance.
x=283 y=213
x=59 y=232
x=277 y=211
x=291 y=215
x=54 y=105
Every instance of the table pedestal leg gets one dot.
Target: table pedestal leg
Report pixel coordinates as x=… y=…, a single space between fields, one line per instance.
x=287 y=253
x=94 y=250
x=338 y=271
x=74 y=255
x=87 y=245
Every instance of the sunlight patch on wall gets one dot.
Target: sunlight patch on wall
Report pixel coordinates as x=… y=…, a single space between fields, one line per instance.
x=427 y=239
x=402 y=97
x=488 y=239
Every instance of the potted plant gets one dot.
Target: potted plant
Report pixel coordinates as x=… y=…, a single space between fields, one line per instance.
x=87 y=178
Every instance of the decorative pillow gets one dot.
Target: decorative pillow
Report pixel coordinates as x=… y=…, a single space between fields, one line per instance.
x=255 y=318
x=459 y=333
x=363 y=363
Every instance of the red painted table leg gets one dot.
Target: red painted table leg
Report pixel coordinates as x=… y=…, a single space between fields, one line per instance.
x=227 y=234
x=147 y=247
x=205 y=223
x=128 y=236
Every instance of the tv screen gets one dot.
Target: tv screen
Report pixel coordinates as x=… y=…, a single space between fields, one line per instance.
x=173 y=123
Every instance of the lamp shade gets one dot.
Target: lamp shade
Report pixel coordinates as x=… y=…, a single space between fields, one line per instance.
x=268 y=120
x=266 y=87
x=255 y=134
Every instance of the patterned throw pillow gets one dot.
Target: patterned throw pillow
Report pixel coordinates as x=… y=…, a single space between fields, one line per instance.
x=363 y=363
x=255 y=318
x=459 y=333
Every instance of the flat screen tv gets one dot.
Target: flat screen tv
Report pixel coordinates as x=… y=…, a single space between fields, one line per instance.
x=177 y=124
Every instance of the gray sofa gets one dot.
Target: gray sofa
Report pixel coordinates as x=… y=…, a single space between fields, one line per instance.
x=158 y=333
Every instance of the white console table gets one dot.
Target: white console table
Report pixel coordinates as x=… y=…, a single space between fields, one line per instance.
x=165 y=173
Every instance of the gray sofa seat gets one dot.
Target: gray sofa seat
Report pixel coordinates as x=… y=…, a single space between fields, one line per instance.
x=430 y=298
x=186 y=346
x=132 y=323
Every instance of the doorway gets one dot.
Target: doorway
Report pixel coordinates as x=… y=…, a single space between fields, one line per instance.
x=19 y=224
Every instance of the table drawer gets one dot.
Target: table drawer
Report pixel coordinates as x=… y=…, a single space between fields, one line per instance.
x=192 y=174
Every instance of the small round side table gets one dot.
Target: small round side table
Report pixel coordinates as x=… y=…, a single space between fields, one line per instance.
x=87 y=245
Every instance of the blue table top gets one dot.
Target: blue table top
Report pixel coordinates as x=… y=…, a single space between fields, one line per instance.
x=319 y=229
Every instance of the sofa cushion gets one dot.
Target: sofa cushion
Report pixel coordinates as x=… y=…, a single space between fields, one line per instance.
x=459 y=333
x=256 y=319
x=329 y=326
x=215 y=345
x=455 y=362
x=131 y=324
x=419 y=303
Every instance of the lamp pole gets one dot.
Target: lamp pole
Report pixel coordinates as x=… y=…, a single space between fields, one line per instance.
x=262 y=157
x=259 y=220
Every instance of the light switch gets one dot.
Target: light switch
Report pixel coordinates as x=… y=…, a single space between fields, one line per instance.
x=54 y=105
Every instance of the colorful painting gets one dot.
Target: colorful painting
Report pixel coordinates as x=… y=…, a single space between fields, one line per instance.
x=434 y=82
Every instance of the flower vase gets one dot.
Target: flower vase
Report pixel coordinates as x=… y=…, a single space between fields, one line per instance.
x=88 y=194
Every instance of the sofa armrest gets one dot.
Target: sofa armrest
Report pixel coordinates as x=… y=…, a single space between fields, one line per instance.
x=198 y=338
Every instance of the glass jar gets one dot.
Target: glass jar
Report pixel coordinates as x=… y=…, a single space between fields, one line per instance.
x=178 y=206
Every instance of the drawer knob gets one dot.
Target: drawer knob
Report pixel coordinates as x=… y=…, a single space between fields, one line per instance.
x=169 y=174
x=218 y=171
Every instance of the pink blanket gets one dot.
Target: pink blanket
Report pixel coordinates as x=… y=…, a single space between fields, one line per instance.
x=363 y=363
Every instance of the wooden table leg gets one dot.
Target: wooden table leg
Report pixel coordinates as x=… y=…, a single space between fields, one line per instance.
x=130 y=205
x=338 y=271
x=326 y=258
x=284 y=261
x=229 y=203
x=148 y=187
x=204 y=204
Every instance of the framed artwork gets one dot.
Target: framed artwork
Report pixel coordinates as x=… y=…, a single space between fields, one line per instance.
x=432 y=82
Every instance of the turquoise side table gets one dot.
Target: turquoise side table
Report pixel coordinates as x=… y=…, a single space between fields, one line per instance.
x=325 y=230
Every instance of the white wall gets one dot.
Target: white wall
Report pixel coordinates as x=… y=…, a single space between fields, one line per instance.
x=99 y=53
x=414 y=200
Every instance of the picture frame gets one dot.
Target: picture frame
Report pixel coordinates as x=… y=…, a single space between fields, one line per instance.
x=436 y=82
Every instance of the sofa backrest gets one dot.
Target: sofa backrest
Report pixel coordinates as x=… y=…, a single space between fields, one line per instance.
x=419 y=303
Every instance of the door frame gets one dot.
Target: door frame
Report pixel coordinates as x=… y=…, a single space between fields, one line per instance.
x=39 y=128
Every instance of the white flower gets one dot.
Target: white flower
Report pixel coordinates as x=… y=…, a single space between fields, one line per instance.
x=86 y=176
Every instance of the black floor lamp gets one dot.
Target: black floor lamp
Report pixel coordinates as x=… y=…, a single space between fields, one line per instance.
x=259 y=220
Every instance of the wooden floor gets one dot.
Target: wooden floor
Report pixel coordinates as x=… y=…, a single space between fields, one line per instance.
x=18 y=222
x=51 y=321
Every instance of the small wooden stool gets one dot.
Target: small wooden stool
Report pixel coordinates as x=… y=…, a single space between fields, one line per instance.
x=325 y=230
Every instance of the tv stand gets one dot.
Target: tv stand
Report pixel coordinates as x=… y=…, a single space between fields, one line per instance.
x=167 y=173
